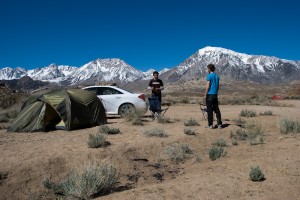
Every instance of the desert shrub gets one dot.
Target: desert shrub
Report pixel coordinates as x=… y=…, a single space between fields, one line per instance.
x=240 y=122
x=267 y=113
x=256 y=174
x=250 y=125
x=137 y=122
x=191 y=122
x=189 y=131
x=216 y=152
x=103 y=129
x=82 y=184
x=96 y=141
x=255 y=133
x=240 y=134
x=107 y=130
x=288 y=126
x=178 y=152
x=135 y=117
x=155 y=132
x=220 y=142
x=247 y=113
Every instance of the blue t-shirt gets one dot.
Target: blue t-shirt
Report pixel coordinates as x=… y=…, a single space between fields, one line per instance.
x=214 y=83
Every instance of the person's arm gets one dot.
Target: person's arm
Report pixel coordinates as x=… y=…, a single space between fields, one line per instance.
x=162 y=86
x=150 y=87
x=207 y=88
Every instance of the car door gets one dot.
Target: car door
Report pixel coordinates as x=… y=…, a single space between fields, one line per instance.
x=111 y=98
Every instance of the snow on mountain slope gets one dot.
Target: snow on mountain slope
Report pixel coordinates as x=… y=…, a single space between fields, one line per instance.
x=230 y=65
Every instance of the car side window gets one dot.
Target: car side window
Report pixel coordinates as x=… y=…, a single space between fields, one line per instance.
x=110 y=91
x=92 y=90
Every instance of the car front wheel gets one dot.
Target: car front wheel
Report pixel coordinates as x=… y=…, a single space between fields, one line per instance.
x=126 y=109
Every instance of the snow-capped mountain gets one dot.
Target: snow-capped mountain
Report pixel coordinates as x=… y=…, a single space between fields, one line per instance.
x=51 y=73
x=149 y=74
x=8 y=73
x=105 y=70
x=235 y=66
x=230 y=65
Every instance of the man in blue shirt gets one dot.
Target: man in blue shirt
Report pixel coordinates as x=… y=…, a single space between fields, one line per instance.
x=211 y=94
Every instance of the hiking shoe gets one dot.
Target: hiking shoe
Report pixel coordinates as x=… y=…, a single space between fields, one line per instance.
x=220 y=126
x=210 y=127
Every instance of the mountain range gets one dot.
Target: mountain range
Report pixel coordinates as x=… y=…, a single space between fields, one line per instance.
x=230 y=65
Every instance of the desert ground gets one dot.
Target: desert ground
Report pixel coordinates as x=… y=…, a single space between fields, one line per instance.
x=145 y=168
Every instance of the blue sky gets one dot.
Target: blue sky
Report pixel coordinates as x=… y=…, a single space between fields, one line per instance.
x=144 y=33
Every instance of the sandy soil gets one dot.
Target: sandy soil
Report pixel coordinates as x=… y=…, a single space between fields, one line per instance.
x=27 y=158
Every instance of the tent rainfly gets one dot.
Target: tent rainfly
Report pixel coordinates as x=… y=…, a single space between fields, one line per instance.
x=76 y=108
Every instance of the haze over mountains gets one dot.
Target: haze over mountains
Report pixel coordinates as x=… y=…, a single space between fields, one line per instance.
x=230 y=65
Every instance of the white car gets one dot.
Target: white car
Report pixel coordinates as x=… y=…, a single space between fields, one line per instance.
x=118 y=101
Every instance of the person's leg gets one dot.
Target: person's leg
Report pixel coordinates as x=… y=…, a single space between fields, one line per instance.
x=209 y=106
x=217 y=111
x=159 y=100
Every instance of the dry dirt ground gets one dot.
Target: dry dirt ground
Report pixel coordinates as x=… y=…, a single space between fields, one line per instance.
x=146 y=172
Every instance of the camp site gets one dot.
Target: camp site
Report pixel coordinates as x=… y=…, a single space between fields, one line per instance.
x=62 y=138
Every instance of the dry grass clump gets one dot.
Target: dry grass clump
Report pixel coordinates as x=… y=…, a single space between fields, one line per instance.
x=240 y=122
x=191 y=122
x=216 y=152
x=92 y=179
x=240 y=134
x=220 y=142
x=247 y=113
x=189 y=131
x=253 y=133
x=155 y=132
x=266 y=113
x=108 y=130
x=288 y=126
x=96 y=141
x=135 y=117
x=178 y=152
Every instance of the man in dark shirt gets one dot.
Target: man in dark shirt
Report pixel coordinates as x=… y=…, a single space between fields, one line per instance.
x=156 y=85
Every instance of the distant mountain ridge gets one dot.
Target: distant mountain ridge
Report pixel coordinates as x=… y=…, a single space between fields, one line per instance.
x=235 y=66
x=231 y=65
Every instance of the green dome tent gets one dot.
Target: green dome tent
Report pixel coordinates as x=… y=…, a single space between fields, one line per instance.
x=76 y=108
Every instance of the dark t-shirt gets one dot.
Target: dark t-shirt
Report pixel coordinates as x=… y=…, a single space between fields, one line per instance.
x=156 y=84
